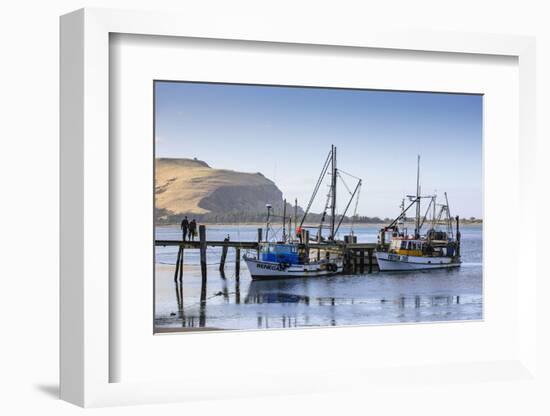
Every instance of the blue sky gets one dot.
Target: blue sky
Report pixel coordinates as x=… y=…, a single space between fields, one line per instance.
x=286 y=133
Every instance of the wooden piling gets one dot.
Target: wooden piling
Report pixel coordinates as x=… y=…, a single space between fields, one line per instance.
x=181 y=264
x=237 y=262
x=362 y=261
x=202 y=241
x=224 y=255
x=176 y=273
x=346 y=262
x=370 y=260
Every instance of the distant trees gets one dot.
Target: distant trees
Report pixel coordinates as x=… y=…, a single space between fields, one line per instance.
x=164 y=217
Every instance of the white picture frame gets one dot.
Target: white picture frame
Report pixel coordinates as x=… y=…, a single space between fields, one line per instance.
x=86 y=356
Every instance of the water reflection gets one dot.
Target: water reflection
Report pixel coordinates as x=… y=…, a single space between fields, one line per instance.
x=237 y=290
x=179 y=298
x=303 y=302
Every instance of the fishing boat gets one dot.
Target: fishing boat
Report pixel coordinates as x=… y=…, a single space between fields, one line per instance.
x=295 y=254
x=285 y=261
x=438 y=248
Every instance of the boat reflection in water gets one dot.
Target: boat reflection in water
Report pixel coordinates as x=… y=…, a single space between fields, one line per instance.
x=272 y=291
x=297 y=303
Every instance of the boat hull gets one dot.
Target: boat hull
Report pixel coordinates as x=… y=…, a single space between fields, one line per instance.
x=264 y=270
x=395 y=262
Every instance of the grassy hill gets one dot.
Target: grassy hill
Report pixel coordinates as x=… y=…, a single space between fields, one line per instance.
x=192 y=187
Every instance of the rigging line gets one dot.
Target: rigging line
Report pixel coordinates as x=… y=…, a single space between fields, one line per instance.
x=425 y=215
x=440 y=214
x=324 y=214
x=402 y=215
x=347 y=206
x=345 y=184
x=317 y=185
x=349 y=174
x=329 y=194
x=355 y=209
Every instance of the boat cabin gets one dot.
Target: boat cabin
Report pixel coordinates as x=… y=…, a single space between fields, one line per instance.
x=280 y=253
x=407 y=247
x=417 y=247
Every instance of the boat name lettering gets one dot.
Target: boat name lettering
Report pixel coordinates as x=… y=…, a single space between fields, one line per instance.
x=269 y=266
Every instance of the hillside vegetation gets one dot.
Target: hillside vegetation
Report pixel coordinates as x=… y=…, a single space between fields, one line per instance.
x=191 y=187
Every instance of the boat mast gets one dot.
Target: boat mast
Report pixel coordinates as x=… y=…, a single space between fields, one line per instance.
x=316 y=189
x=333 y=194
x=417 y=223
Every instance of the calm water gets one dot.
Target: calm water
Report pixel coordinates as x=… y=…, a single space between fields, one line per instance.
x=377 y=298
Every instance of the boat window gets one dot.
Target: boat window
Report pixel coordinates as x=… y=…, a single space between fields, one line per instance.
x=403 y=245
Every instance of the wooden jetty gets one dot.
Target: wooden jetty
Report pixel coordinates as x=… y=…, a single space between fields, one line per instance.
x=358 y=257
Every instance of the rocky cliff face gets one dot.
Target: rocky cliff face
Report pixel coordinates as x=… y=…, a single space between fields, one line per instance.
x=191 y=187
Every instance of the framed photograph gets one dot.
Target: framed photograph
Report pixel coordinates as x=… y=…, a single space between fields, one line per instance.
x=321 y=199
x=356 y=250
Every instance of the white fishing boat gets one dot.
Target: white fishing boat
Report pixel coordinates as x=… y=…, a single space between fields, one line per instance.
x=436 y=249
x=296 y=254
x=410 y=255
x=285 y=261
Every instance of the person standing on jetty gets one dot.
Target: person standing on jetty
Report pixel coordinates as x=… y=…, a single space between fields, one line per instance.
x=192 y=229
x=184 y=227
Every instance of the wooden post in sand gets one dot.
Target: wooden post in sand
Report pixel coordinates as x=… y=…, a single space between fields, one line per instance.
x=202 y=241
x=177 y=272
x=224 y=255
x=181 y=264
